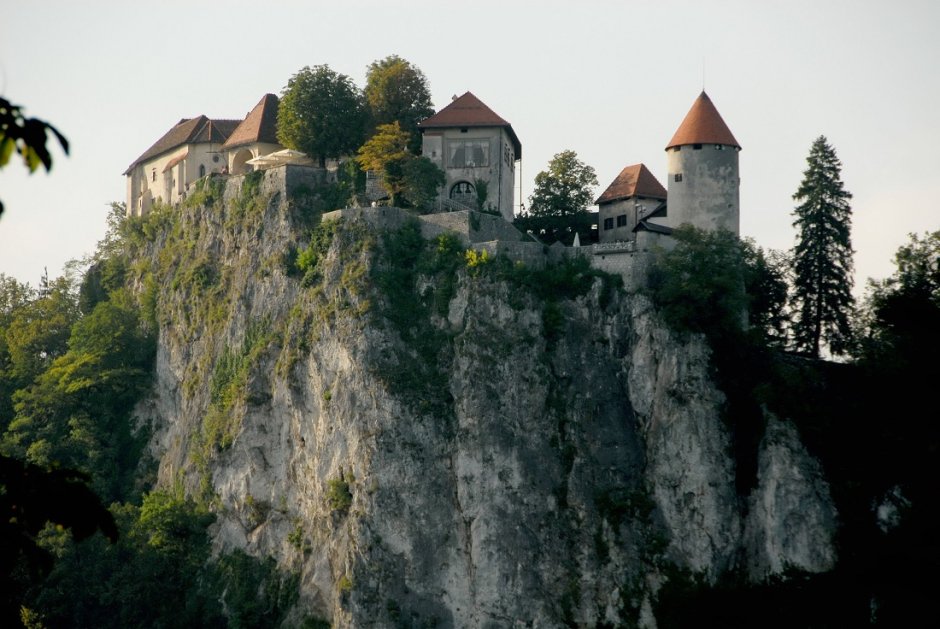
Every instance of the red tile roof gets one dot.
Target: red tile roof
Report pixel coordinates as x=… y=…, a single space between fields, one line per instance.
x=469 y=111
x=703 y=125
x=260 y=125
x=633 y=181
x=188 y=131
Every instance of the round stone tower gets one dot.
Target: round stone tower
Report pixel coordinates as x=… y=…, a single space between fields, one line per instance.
x=702 y=162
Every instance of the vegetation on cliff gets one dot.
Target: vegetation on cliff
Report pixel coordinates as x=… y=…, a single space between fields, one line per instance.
x=75 y=357
x=877 y=451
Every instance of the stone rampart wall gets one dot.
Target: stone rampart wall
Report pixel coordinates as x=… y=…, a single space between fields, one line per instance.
x=484 y=232
x=287 y=180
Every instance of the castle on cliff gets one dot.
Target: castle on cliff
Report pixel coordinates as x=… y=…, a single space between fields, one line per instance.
x=477 y=150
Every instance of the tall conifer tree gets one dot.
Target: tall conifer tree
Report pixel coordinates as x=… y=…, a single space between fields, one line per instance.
x=822 y=284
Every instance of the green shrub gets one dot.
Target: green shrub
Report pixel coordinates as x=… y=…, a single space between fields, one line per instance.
x=476 y=259
x=207 y=192
x=338 y=495
x=698 y=285
x=251 y=184
x=298 y=539
x=309 y=259
x=253 y=591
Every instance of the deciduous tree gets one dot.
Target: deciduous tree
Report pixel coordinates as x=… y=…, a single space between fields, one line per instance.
x=27 y=136
x=421 y=181
x=385 y=153
x=822 y=280
x=558 y=205
x=321 y=113
x=407 y=178
x=699 y=285
x=903 y=311
x=565 y=189
x=397 y=91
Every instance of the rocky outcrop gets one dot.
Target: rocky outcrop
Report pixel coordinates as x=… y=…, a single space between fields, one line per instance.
x=791 y=519
x=539 y=467
x=690 y=468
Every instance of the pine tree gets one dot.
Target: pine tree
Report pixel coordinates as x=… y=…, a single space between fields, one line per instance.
x=822 y=291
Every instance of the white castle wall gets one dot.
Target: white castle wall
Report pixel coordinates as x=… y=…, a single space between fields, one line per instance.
x=707 y=194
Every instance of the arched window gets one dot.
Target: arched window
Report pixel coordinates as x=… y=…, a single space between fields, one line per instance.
x=464 y=192
x=202 y=170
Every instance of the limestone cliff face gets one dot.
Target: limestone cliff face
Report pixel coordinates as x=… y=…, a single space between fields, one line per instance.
x=548 y=471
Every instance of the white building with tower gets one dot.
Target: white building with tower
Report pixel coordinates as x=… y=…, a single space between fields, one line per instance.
x=702 y=179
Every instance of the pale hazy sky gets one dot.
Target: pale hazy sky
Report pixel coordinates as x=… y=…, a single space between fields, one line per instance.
x=610 y=80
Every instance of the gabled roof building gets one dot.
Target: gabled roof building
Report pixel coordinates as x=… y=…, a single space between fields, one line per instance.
x=632 y=196
x=196 y=147
x=702 y=180
x=477 y=150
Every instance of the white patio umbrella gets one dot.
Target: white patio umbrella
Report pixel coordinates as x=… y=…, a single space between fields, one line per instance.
x=287 y=155
x=264 y=160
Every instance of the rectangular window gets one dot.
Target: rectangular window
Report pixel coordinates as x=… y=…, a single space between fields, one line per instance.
x=696 y=147
x=468 y=153
x=507 y=155
x=677 y=177
x=622 y=220
x=608 y=223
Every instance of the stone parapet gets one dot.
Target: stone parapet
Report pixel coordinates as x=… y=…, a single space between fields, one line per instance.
x=486 y=232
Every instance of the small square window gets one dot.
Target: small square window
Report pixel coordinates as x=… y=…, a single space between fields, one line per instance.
x=608 y=223
x=622 y=220
x=696 y=147
x=677 y=177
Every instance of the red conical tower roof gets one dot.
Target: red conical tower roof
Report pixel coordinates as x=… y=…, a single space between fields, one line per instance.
x=703 y=125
